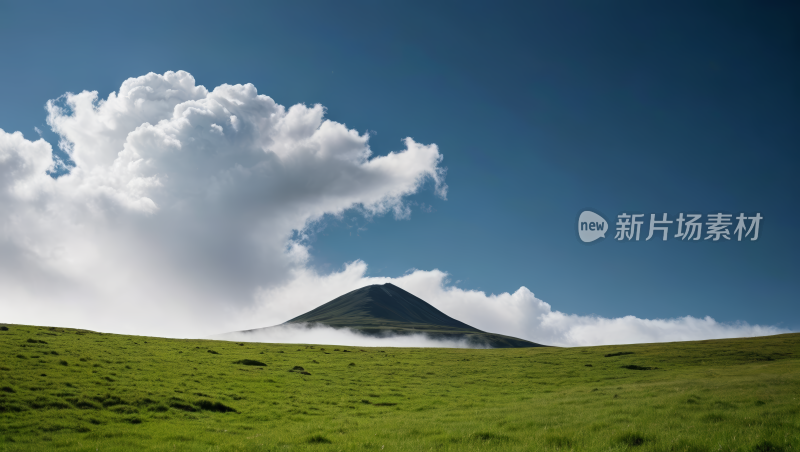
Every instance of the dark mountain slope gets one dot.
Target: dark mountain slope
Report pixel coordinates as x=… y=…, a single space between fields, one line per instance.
x=387 y=309
x=375 y=305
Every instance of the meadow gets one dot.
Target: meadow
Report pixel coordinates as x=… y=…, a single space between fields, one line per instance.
x=75 y=390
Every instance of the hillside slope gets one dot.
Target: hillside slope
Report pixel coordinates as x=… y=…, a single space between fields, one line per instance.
x=77 y=390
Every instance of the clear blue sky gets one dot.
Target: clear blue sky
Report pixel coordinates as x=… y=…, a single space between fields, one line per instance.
x=540 y=110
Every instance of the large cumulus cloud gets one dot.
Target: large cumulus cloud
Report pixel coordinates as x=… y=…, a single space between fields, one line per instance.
x=185 y=213
x=182 y=202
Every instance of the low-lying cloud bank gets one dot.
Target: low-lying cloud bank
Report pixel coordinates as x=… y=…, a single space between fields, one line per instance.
x=319 y=334
x=519 y=314
x=187 y=210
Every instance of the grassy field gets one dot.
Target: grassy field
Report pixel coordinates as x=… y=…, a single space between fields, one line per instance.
x=63 y=389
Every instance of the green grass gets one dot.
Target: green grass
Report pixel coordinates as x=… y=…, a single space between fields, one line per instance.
x=63 y=389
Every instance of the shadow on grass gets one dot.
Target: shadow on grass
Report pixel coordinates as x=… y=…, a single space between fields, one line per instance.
x=631 y=439
x=215 y=406
x=318 y=439
x=618 y=354
x=249 y=362
x=766 y=446
x=635 y=367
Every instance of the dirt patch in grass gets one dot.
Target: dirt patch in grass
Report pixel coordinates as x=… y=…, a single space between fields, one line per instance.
x=635 y=367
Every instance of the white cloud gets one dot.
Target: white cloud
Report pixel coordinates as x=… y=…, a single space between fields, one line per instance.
x=178 y=216
x=182 y=203
x=519 y=314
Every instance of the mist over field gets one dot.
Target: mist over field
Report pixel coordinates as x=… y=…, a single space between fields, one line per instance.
x=320 y=334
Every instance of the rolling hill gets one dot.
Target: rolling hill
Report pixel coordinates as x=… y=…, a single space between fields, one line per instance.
x=64 y=389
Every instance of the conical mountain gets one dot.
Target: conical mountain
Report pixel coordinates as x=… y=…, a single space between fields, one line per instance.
x=380 y=309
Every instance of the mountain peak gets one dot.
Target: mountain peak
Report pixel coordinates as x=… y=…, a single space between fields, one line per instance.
x=379 y=304
x=378 y=309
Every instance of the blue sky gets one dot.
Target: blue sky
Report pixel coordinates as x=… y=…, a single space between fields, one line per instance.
x=540 y=111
